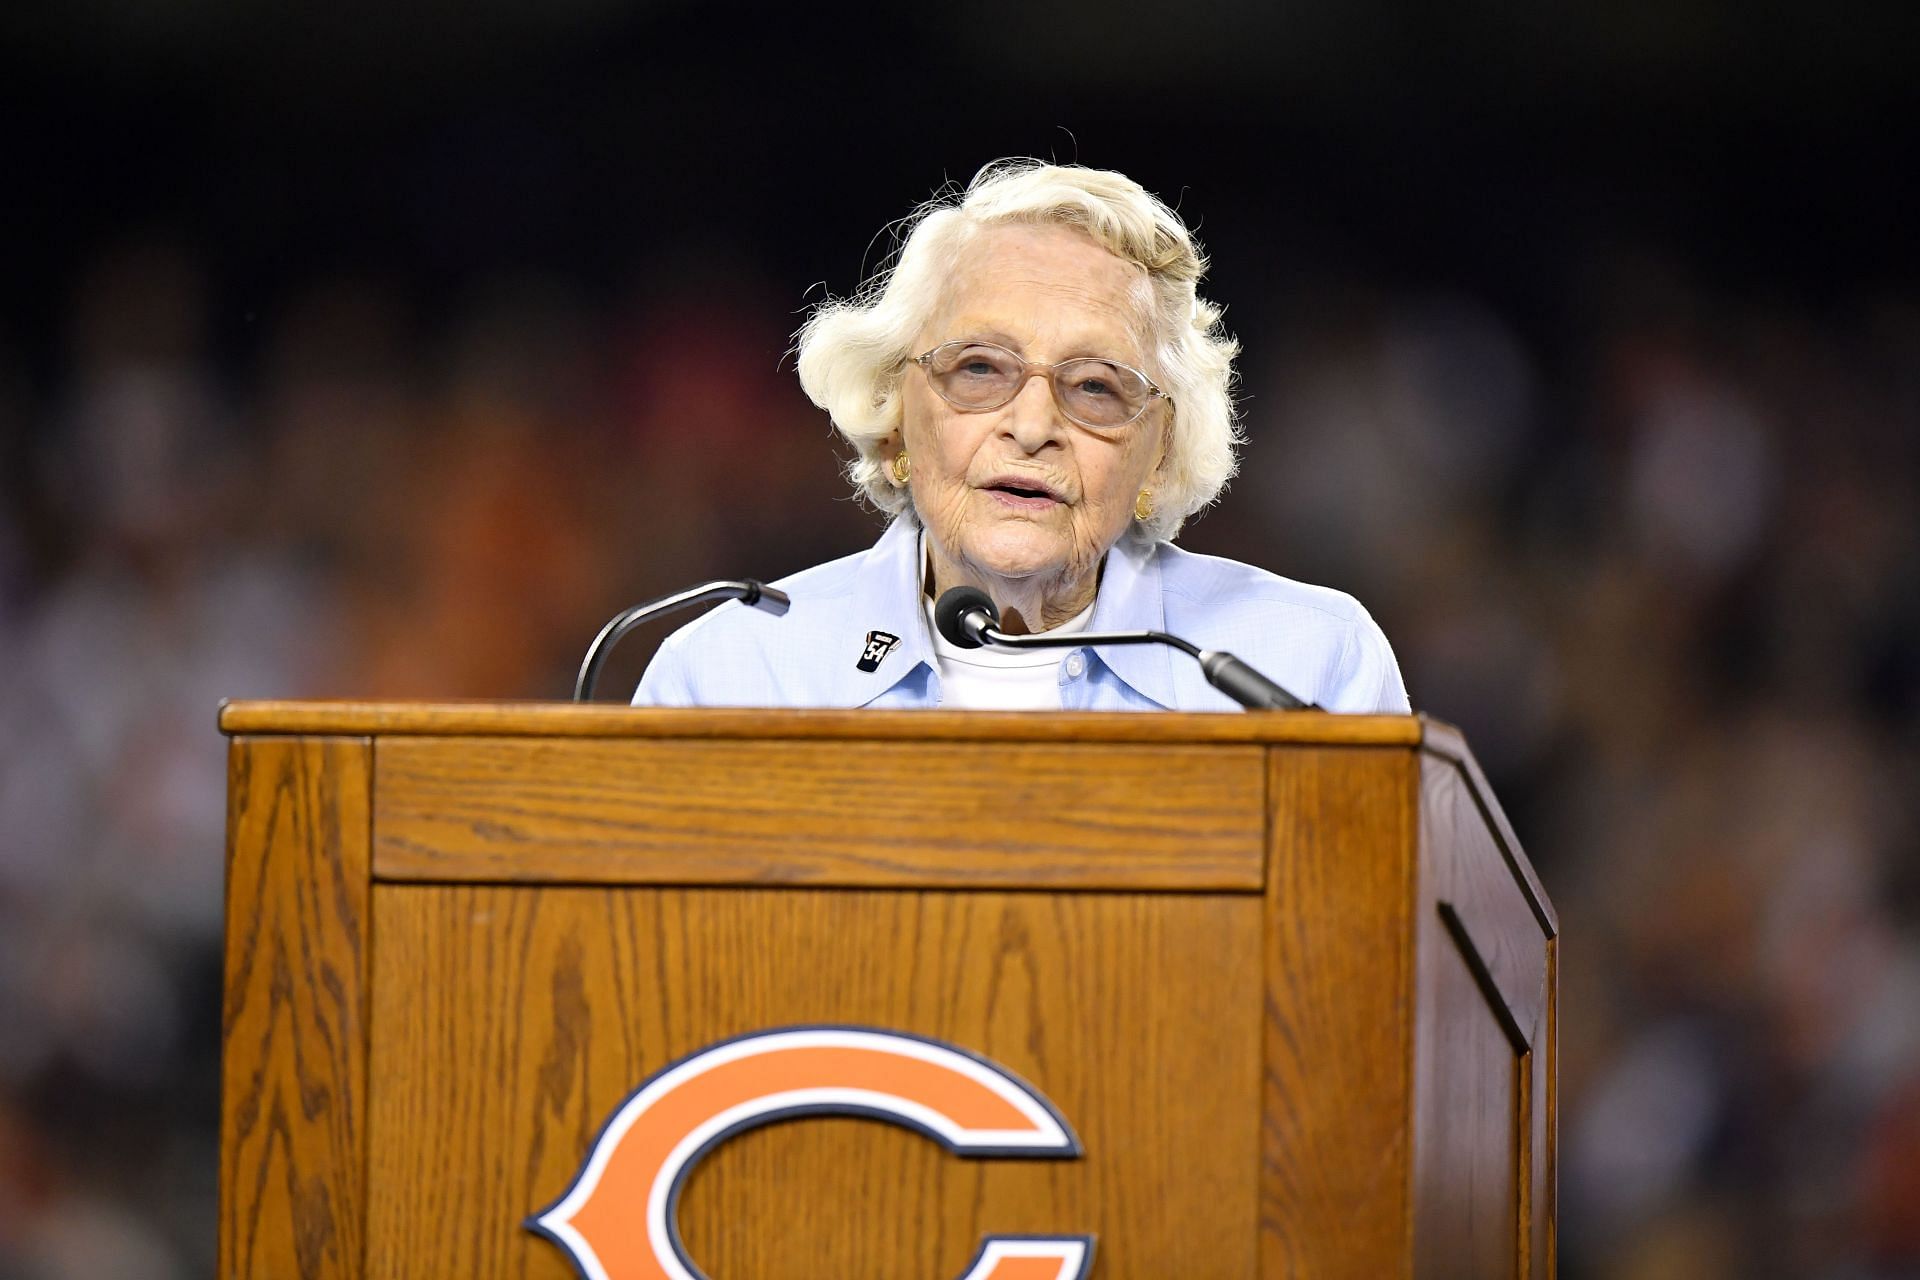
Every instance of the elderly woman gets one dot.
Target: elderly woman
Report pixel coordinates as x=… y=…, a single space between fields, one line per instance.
x=1039 y=396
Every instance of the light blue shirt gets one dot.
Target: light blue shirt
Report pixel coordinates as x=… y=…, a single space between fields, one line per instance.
x=864 y=611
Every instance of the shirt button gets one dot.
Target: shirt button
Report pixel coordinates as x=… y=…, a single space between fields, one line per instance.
x=1076 y=665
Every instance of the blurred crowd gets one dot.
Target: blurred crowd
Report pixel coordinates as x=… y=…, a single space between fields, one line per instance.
x=1669 y=582
x=1663 y=566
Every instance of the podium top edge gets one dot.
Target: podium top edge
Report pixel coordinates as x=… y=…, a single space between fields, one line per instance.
x=570 y=720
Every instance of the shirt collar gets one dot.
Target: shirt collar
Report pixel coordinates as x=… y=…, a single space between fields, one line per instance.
x=887 y=592
x=886 y=597
x=1130 y=599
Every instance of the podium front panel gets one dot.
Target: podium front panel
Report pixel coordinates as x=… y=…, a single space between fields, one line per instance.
x=509 y=1022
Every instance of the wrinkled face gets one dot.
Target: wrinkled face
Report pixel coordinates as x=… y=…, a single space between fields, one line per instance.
x=1022 y=492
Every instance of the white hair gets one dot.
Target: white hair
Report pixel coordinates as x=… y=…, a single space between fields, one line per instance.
x=854 y=351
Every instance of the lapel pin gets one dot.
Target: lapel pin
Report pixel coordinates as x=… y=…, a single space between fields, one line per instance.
x=879 y=645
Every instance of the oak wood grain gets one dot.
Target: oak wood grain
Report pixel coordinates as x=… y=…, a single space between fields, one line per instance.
x=1338 y=1049
x=1487 y=964
x=1090 y=816
x=294 y=1027
x=510 y=1022
x=1447 y=743
x=1252 y=1006
x=563 y=720
x=1469 y=1096
x=1545 y=1192
x=1471 y=878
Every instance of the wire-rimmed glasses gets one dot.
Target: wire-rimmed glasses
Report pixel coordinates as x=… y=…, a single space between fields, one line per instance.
x=978 y=376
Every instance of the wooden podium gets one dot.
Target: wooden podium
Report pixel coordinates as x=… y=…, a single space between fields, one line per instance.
x=1288 y=976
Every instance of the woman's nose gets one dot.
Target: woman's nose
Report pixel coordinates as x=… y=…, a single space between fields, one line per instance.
x=1032 y=418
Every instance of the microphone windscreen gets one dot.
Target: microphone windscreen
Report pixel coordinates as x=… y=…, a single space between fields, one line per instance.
x=953 y=606
x=770 y=599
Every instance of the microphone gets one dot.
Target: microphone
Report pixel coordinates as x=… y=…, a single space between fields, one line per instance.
x=966 y=617
x=746 y=590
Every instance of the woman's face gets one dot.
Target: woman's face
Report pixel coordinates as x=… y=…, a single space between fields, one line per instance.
x=1021 y=496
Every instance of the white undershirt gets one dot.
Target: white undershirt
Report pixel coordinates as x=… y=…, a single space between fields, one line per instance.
x=987 y=679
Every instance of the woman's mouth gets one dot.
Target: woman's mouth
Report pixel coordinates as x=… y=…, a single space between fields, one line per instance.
x=1022 y=496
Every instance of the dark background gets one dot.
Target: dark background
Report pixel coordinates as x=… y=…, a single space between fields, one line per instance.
x=387 y=350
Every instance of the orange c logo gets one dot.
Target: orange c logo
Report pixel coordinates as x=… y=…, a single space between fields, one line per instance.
x=969 y=1105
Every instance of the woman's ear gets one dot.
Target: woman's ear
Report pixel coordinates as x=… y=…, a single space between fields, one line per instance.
x=1157 y=476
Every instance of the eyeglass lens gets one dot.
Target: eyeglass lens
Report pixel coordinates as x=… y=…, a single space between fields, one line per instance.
x=1095 y=393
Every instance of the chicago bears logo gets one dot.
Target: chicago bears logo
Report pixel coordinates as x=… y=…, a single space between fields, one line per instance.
x=970 y=1106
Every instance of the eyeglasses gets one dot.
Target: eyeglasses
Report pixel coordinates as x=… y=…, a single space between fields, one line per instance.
x=978 y=376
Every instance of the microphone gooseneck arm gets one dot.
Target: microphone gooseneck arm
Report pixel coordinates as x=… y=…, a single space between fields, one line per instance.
x=967 y=617
x=745 y=590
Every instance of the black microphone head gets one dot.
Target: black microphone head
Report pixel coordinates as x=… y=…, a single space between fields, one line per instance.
x=957 y=616
x=770 y=599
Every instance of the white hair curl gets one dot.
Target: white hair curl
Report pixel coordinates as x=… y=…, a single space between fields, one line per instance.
x=854 y=351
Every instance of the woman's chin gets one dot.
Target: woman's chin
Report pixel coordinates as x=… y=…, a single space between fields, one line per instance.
x=1018 y=558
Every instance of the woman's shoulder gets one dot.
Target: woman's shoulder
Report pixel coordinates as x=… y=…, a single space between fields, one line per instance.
x=1324 y=641
x=745 y=656
x=1215 y=582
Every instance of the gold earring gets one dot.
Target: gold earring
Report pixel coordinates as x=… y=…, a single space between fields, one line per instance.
x=900 y=468
x=1143 y=505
